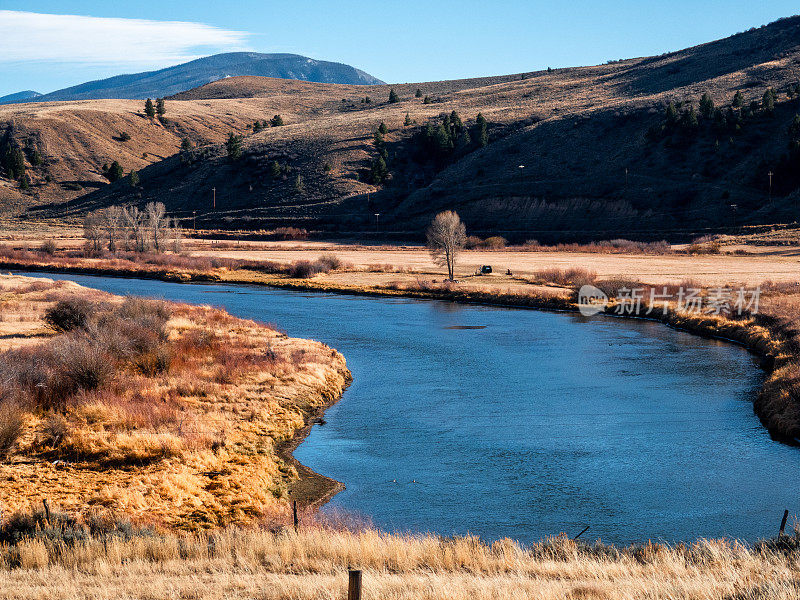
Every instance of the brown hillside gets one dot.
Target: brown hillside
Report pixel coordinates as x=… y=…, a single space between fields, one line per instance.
x=574 y=130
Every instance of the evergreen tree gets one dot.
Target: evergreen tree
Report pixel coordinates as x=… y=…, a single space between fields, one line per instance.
x=481 y=133
x=257 y=127
x=393 y=97
x=36 y=158
x=299 y=186
x=274 y=169
x=418 y=93
x=14 y=162
x=794 y=128
x=427 y=100
x=706 y=106
x=114 y=172
x=455 y=125
x=234 y=146
x=134 y=179
x=464 y=141
x=768 y=101
x=383 y=129
x=276 y=121
x=689 y=119
x=186 y=145
x=407 y=120
x=671 y=114
x=443 y=141
x=738 y=100
x=379 y=171
x=149 y=109
x=161 y=109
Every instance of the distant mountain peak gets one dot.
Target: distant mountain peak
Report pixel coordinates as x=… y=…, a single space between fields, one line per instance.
x=179 y=78
x=24 y=96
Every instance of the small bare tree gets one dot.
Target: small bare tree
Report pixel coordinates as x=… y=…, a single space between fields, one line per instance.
x=134 y=229
x=176 y=236
x=157 y=224
x=446 y=237
x=93 y=231
x=113 y=225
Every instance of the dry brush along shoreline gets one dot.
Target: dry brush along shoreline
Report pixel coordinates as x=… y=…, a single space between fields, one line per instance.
x=172 y=414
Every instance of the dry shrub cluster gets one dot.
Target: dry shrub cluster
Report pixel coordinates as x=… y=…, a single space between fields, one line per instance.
x=566 y=277
x=618 y=246
x=305 y=269
x=494 y=242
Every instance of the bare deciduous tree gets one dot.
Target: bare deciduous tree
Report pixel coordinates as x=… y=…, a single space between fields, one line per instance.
x=134 y=229
x=176 y=235
x=93 y=231
x=113 y=225
x=446 y=237
x=157 y=223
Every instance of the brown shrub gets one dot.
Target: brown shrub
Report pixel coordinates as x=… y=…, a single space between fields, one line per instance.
x=12 y=422
x=68 y=314
x=330 y=261
x=495 y=242
x=564 y=277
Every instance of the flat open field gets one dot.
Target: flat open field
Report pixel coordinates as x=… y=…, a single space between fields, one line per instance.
x=778 y=264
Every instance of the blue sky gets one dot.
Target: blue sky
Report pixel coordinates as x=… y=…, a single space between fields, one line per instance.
x=397 y=41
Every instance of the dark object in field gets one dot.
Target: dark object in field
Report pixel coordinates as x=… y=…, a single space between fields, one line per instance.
x=484 y=270
x=318 y=421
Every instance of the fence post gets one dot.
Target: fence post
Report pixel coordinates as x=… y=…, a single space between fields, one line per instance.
x=295 y=518
x=46 y=510
x=354 y=585
x=783 y=523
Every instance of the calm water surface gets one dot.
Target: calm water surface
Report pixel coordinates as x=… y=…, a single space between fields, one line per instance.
x=527 y=423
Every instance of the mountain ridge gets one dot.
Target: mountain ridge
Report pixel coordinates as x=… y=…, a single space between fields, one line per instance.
x=185 y=76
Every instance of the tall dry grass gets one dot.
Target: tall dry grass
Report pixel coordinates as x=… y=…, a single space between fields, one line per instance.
x=312 y=563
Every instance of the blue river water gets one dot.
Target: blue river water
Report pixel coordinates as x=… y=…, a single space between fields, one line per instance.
x=522 y=423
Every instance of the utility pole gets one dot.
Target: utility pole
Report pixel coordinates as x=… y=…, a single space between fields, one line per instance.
x=214 y=202
x=733 y=214
x=376 y=221
x=194 y=220
x=770 y=185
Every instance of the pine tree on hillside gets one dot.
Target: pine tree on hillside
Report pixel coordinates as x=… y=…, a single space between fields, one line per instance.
x=481 y=133
x=379 y=171
x=671 y=114
x=383 y=129
x=418 y=93
x=161 y=108
x=234 y=146
x=276 y=121
x=738 y=100
x=768 y=101
x=393 y=97
x=149 y=109
x=407 y=120
x=706 y=106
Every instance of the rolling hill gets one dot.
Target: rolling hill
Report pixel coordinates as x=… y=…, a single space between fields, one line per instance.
x=172 y=80
x=25 y=96
x=572 y=153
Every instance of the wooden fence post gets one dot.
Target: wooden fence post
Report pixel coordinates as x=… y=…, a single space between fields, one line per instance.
x=354 y=585
x=783 y=523
x=46 y=510
x=295 y=518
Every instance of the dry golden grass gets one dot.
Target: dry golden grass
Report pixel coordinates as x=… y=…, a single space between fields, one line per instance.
x=313 y=563
x=195 y=446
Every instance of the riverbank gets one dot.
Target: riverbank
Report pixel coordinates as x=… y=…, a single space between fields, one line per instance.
x=175 y=415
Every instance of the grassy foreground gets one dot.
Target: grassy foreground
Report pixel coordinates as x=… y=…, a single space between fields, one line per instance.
x=312 y=563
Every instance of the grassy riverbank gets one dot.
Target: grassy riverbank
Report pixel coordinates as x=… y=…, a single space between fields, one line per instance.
x=172 y=414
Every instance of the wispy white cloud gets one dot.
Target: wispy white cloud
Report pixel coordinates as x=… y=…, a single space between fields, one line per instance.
x=28 y=36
